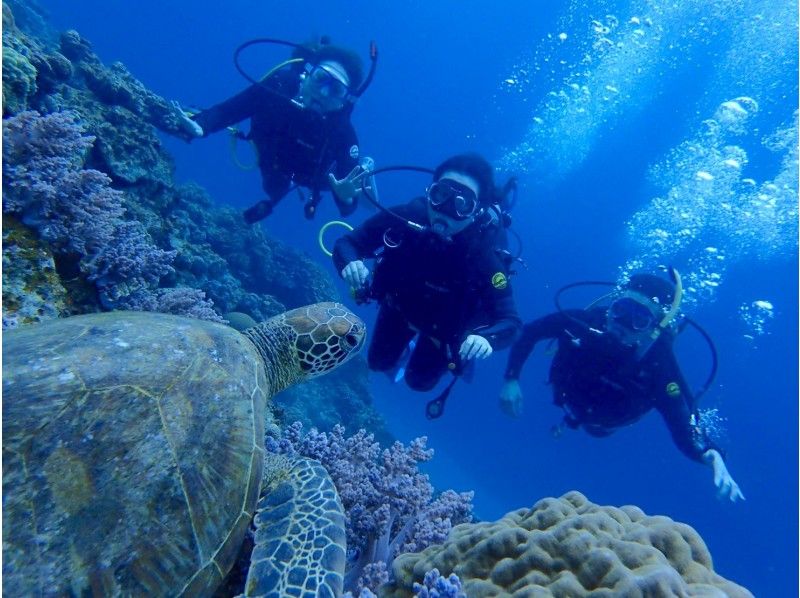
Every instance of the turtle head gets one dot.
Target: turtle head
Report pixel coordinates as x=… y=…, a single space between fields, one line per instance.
x=328 y=334
x=307 y=342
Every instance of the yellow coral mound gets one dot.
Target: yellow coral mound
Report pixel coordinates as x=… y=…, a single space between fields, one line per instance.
x=569 y=546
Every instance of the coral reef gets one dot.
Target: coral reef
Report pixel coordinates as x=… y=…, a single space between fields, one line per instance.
x=315 y=405
x=389 y=504
x=180 y=301
x=75 y=209
x=30 y=68
x=32 y=290
x=434 y=585
x=19 y=80
x=569 y=546
x=167 y=247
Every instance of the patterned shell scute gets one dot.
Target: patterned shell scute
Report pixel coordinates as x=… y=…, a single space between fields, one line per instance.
x=139 y=437
x=300 y=532
x=324 y=331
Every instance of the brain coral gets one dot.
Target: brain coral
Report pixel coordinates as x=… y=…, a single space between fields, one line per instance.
x=569 y=546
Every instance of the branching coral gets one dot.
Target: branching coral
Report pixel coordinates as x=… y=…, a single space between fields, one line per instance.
x=78 y=212
x=388 y=502
x=181 y=301
x=45 y=183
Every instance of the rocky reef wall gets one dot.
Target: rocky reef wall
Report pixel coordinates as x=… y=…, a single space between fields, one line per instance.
x=94 y=220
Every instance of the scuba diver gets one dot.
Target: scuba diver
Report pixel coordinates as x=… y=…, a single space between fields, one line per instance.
x=438 y=276
x=300 y=125
x=614 y=363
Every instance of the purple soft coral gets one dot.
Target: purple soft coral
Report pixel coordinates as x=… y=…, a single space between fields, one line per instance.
x=127 y=264
x=386 y=499
x=436 y=586
x=74 y=209
x=78 y=212
x=179 y=301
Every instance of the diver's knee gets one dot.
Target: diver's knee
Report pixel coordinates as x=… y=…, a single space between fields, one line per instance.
x=421 y=382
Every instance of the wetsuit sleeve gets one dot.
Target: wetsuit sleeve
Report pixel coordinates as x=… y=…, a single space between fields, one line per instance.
x=675 y=403
x=232 y=110
x=505 y=322
x=550 y=326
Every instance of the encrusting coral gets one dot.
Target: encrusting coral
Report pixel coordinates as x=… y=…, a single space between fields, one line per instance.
x=32 y=290
x=570 y=547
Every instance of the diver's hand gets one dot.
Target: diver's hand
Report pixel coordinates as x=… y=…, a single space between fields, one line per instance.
x=355 y=274
x=511 y=398
x=474 y=347
x=347 y=188
x=726 y=486
x=185 y=122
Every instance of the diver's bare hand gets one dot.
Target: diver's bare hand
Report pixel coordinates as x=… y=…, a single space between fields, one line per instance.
x=185 y=121
x=346 y=189
x=355 y=274
x=474 y=347
x=511 y=398
x=726 y=486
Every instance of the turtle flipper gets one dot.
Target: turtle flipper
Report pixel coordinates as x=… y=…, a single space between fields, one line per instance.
x=300 y=532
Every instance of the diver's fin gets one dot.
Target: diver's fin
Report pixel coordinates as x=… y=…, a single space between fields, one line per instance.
x=400 y=368
x=257 y=211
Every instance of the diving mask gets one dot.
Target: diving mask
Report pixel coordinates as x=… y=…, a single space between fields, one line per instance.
x=453 y=199
x=328 y=82
x=632 y=314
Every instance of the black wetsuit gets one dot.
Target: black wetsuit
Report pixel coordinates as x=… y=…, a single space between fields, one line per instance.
x=603 y=385
x=443 y=290
x=294 y=144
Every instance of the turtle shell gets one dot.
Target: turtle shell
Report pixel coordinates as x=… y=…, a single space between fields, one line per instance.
x=132 y=454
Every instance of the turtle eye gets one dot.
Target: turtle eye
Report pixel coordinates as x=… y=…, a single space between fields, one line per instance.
x=351 y=340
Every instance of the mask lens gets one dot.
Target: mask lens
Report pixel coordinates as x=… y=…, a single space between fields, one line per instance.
x=328 y=85
x=439 y=194
x=461 y=202
x=631 y=314
x=465 y=206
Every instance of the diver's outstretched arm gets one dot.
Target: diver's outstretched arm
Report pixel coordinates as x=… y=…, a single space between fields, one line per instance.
x=511 y=398
x=726 y=486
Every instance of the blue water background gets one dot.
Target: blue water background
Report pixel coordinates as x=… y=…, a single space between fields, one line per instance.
x=438 y=91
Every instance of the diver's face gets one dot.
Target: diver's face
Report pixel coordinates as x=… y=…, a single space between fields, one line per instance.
x=632 y=317
x=448 y=223
x=325 y=87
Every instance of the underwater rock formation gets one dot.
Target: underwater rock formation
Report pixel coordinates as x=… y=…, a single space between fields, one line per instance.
x=31 y=66
x=569 y=546
x=32 y=290
x=210 y=256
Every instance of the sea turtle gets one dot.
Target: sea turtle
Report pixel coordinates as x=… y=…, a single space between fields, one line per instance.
x=133 y=452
